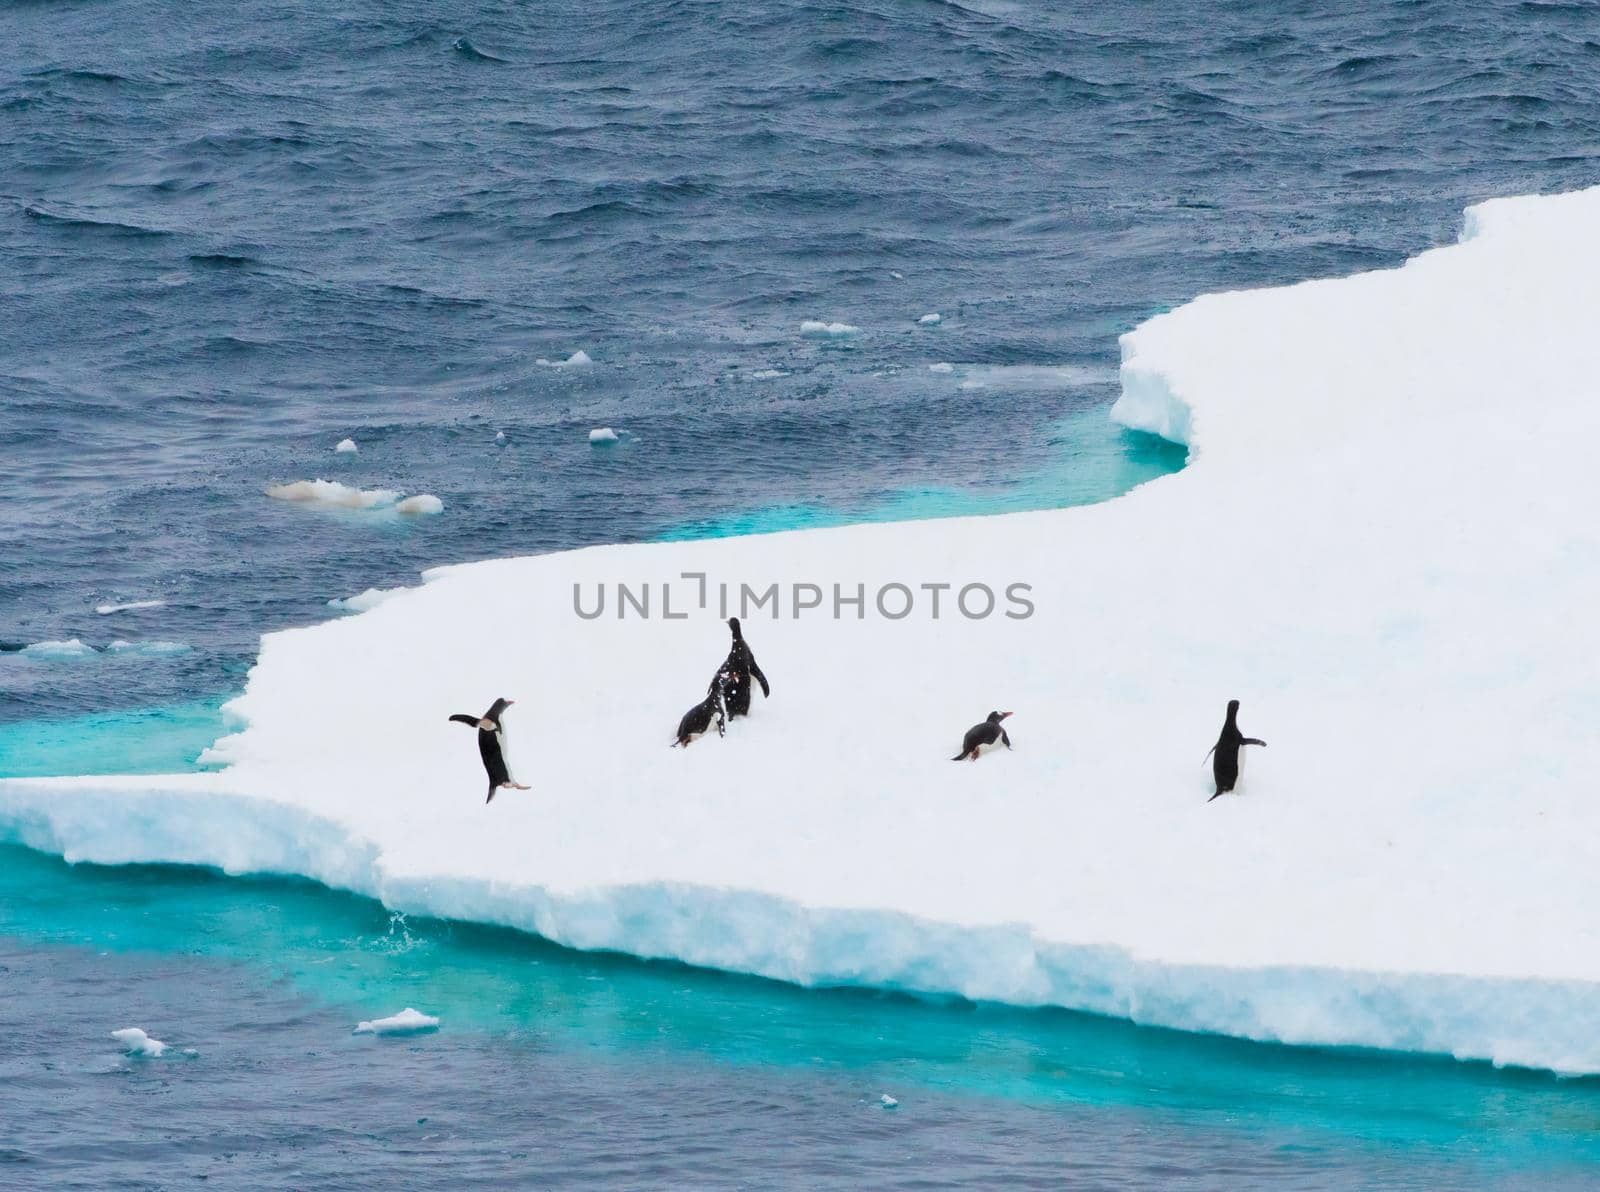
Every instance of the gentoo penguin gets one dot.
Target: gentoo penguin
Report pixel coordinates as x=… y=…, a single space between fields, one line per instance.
x=1226 y=760
x=983 y=737
x=698 y=718
x=492 y=745
x=736 y=671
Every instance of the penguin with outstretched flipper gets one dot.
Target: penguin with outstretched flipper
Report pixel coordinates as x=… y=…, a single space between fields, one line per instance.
x=1225 y=755
x=492 y=745
x=736 y=671
x=983 y=737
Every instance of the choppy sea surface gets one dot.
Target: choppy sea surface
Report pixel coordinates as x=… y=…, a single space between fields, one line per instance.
x=232 y=236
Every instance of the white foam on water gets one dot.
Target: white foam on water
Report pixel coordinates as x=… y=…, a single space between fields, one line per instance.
x=407 y=1022
x=767 y=374
x=942 y=366
x=1409 y=865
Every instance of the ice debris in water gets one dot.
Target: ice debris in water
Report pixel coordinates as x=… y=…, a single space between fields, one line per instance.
x=828 y=330
x=151 y=649
x=887 y=1101
x=578 y=359
x=135 y=1042
x=331 y=492
x=105 y=610
x=71 y=648
x=421 y=503
x=346 y=447
x=603 y=434
x=499 y=436
x=932 y=317
x=407 y=1022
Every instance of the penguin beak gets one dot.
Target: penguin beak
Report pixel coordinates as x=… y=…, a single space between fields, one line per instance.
x=1003 y=715
x=509 y=702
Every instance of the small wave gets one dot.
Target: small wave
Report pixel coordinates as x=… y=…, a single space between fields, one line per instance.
x=472 y=53
x=222 y=260
x=105 y=610
x=89 y=223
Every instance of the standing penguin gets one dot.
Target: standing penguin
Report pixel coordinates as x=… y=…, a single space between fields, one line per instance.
x=492 y=745
x=983 y=737
x=1226 y=760
x=736 y=671
x=698 y=718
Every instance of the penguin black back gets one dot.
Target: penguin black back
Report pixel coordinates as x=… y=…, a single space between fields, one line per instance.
x=982 y=736
x=736 y=672
x=1225 y=753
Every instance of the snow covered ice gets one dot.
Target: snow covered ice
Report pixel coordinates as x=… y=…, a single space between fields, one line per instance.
x=407 y=1022
x=1383 y=544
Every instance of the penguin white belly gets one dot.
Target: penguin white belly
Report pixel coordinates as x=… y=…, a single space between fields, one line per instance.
x=988 y=747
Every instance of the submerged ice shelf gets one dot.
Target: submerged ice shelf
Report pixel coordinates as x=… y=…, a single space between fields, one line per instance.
x=1382 y=544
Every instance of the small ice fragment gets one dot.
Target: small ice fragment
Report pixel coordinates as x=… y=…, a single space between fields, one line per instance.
x=71 y=648
x=941 y=367
x=768 y=374
x=897 y=275
x=136 y=1042
x=421 y=503
x=407 y=1022
x=829 y=330
x=105 y=610
x=603 y=434
x=347 y=447
x=887 y=1101
x=578 y=359
x=499 y=436
x=331 y=492
x=931 y=318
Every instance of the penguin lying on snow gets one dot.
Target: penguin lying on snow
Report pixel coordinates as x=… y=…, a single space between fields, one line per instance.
x=698 y=718
x=736 y=671
x=492 y=745
x=1226 y=760
x=983 y=737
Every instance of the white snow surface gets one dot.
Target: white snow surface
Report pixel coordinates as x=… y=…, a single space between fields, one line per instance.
x=135 y=1042
x=407 y=1022
x=1384 y=544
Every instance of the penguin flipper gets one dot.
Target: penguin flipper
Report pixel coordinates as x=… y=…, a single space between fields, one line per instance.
x=462 y=718
x=1254 y=741
x=960 y=757
x=1204 y=760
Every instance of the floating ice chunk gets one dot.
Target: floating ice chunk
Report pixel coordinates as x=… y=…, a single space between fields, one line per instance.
x=151 y=649
x=105 y=610
x=603 y=434
x=407 y=1022
x=347 y=447
x=887 y=1101
x=499 y=436
x=331 y=492
x=768 y=374
x=420 y=504
x=897 y=275
x=59 y=650
x=941 y=367
x=816 y=327
x=136 y=1042
x=362 y=601
x=932 y=317
x=578 y=359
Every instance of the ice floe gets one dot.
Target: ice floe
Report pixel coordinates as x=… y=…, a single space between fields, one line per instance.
x=602 y=434
x=1383 y=544
x=819 y=329
x=135 y=1042
x=407 y=1022
x=347 y=447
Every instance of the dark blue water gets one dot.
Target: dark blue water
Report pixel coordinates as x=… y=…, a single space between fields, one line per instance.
x=231 y=236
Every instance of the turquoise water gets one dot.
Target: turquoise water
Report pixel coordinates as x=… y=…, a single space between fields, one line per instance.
x=136 y=741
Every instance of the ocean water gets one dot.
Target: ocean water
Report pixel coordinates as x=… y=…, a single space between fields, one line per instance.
x=229 y=241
